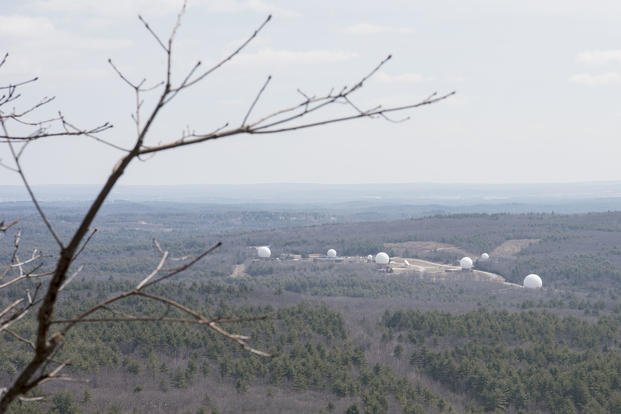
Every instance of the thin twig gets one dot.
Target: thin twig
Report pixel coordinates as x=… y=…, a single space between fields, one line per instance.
x=3 y=60
x=33 y=198
x=70 y=278
x=88 y=239
x=18 y=84
x=155 y=36
x=264 y=130
x=240 y=339
x=4 y=226
x=92 y=135
x=228 y=57
x=121 y=75
x=20 y=338
x=256 y=99
x=10 y=307
x=183 y=267
x=159 y=267
x=39 y=135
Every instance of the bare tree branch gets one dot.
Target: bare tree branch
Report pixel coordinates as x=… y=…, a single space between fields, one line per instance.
x=256 y=99
x=226 y=59
x=154 y=272
x=240 y=339
x=44 y=134
x=184 y=267
x=264 y=130
x=150 y=30
x=70 y=278
x=33 y=198
x=18 y=84
x=10 y=307
x=5 y=226
x=3 y=60
x=48 y=342
x=20 y=338
x=88 y=239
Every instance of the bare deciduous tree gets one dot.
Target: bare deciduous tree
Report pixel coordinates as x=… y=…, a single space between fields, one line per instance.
x=40 y=303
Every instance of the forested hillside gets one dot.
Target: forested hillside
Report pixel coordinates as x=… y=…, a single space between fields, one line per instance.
x=345 y=337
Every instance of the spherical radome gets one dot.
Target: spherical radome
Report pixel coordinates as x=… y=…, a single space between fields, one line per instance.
x=331 y=253
x=533 y=281
x=465 y=263
x=264 y=252
x=484 y=257
x=370 y=257
x=382 y=258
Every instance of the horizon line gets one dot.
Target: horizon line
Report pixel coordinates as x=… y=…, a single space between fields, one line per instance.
x=477 y=183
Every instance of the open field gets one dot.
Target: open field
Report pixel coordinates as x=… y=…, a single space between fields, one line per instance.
x=513 y=247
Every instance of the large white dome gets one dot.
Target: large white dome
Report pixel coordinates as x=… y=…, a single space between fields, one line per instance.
x=533 y=281
x=331 y=253
x=264 y=252
x=382 y=258
x=484 y=257
x=465 y=263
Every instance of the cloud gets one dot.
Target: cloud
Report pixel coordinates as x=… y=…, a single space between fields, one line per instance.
x=456 y=78
x=401 y=78
x=269 y=55
x=39 y=47
x=129 y=8
x=609 y=78
x=25 y=27
x=363 y=29
x=41 y=33
x=599 y=57
x=100 y=8
x=240 y=6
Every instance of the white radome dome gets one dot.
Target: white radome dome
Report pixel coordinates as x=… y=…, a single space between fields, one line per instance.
x=382 y=258
x=370 y=257
x=533 y=281
x=264 y=252
x=331 y=253
x=484 y=257
x=466 y=263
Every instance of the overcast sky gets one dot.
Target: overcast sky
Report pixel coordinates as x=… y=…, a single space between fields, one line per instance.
x=537 y=84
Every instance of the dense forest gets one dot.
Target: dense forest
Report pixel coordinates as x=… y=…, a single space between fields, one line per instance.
x=345 y=337
x=523 y=361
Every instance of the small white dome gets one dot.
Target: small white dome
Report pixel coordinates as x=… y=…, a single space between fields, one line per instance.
x=533 y=281
x=382 y=258
x=484 y=257
x=370 y=257
x=331 y=253
x=264 y=252
x=465 y=263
